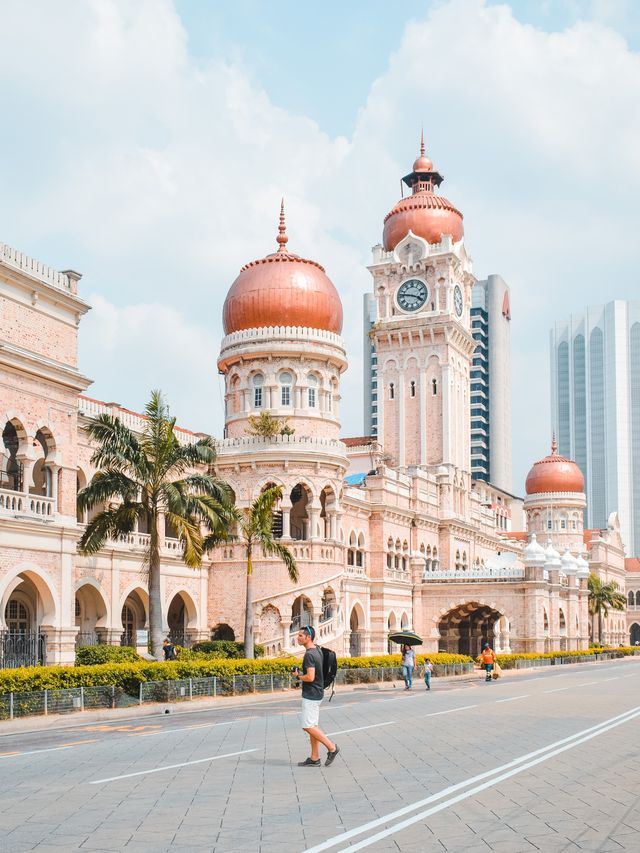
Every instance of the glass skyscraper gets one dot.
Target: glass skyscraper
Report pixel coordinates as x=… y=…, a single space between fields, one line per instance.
x=595 y=395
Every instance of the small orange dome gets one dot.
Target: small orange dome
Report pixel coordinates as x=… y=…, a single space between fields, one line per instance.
x=428 y=215
x=554 y=473
x=422 y=164
x=282 y=289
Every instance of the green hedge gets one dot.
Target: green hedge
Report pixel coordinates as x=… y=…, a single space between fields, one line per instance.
x=90 y=655
x=224 y=649
x=129 y=675
x=509 y=661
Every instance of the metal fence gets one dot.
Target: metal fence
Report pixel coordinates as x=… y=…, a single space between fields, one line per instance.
x=84 y=698
x=22 y=648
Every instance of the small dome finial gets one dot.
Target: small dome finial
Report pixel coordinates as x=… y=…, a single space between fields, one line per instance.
x=282 y=238
x=422 y=142
x=554 y=444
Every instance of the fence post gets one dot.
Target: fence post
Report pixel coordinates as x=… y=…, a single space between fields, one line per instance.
x=215 y=686
x=113 y=696
x=233 y=686
x=11 y=706
x=81 y=698
x=254 y=682
x=46 y=702
x=191 y=688
x=272 y=682
x=140 y=694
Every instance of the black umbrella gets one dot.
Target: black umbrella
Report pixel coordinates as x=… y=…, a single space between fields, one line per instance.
x=405 y=638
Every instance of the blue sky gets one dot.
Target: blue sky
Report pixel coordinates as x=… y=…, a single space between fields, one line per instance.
x=147 y=144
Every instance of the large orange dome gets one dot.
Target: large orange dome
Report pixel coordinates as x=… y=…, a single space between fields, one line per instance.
x=428 y=215
x=282 y=289
x=425 y=213
x=554 y=473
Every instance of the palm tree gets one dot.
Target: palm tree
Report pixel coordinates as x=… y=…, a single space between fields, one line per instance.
x=148 y=475
x=255 y=525
x=603 y=596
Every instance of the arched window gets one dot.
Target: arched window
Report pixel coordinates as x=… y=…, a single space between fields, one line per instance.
x=562 y=622
x=286 y=381
x=545 y=620
x=16 y=617
x=313 y=390
x=412 y=388
x=434 y=387
x=631 y=599
x=392 y=391
x=258 y=382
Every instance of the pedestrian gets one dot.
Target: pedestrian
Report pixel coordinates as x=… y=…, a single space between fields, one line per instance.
x=428 y=669
x=488 y=661
x=408 y=663
x=169 y=649
x=312 y=679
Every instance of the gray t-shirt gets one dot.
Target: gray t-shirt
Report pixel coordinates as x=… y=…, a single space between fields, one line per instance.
x=313 y=689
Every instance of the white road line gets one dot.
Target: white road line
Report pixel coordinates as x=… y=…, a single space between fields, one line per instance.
x=397 y=699
x=362 y=728
x=520 y=763
x=557 y=690
x=513 y=698
x=36 y=751
x=615 y=678
x=171 y=766
x=451 y=710
x=192 y=728
x=587 y=683
x=478 y=788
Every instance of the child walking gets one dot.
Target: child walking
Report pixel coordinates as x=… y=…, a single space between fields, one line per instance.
x=428 y=669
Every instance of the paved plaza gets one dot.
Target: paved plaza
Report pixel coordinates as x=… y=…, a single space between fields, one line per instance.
x=544 y=761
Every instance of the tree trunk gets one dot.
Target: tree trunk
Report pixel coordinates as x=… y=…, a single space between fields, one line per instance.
x=155 y=600
x=248 y=613
x=600 y=626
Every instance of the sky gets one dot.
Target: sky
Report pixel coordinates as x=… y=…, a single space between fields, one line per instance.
x=147 y=145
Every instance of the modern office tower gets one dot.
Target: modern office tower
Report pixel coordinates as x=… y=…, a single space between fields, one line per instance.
x=370 y=367
x=491 y=383
x=595 y=396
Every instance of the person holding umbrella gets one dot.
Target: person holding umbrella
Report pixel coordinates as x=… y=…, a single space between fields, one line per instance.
x=407 y=639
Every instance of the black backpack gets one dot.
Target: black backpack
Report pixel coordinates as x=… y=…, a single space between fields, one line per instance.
x=329 y=669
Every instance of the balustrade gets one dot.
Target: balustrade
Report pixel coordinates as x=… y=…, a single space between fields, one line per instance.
x=19 y=503
x=504 y=574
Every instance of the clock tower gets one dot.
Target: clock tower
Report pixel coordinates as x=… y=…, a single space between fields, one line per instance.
x=420 y=338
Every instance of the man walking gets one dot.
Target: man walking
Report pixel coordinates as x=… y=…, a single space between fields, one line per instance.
x=312 y=694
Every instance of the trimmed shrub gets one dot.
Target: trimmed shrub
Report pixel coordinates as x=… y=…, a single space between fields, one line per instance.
x=509 y=661
x=90 y=655
x=226 y=649
x=396 y=660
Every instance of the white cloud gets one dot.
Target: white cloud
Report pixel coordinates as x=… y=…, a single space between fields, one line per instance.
x=159 y=177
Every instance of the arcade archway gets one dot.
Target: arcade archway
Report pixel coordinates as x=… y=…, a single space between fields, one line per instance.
x=464 y=629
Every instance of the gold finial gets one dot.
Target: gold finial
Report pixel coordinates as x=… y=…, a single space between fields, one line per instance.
x=554 y=444
x=282 y=238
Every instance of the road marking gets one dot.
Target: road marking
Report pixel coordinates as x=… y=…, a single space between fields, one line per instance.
x=517 y=765
x=78 y=742
x=513 y=698
x=451 y=710
x=185 y=728
x=587 y=683
x=36 y=751
x=3 y=754
x=119 y=728
x=397 y=699
x=557 y=690
x=362 y=728
x=615 y=678
x=171 y=766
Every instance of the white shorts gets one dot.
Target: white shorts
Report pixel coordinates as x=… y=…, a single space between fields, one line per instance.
x=310 y=712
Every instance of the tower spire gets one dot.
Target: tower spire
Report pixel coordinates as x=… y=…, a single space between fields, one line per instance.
x=554 y=444
x=422 y=142
x=282 y=238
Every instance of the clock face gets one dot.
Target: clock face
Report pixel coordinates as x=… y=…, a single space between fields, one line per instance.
x=412 y=294
x=457 y=298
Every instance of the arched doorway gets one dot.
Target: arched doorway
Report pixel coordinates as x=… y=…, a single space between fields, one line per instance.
x=181 y=617
x=299 y=518
x=222 y=631
x=27 y=604
x=91 y=616
x=634 y=634
x=464 y=629
x=356 y=625
x=134 y=620
x=301 y=614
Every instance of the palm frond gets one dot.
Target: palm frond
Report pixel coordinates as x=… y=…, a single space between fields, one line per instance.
x=189 y=534
x=113 y=523
x=272 y=547
x=116 y=445
x=105 y=485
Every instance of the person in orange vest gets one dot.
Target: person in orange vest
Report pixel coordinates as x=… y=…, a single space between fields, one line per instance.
x=488 y=660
